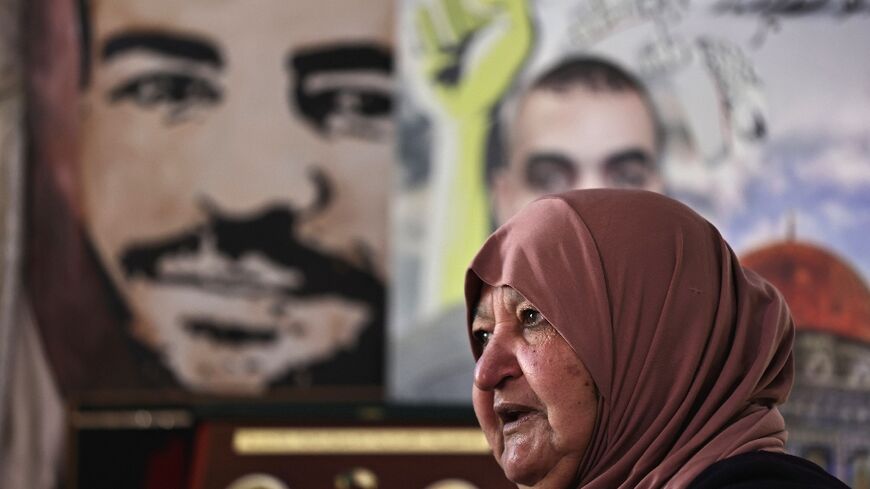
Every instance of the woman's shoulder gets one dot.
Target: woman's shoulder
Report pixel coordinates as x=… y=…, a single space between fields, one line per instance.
x=765 y=470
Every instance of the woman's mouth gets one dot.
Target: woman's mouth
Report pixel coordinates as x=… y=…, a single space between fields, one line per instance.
x=513 y=416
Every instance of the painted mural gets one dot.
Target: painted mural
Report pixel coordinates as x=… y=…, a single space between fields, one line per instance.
x=204 y=217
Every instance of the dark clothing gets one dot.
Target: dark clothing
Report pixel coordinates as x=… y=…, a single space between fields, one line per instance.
x=765 y=470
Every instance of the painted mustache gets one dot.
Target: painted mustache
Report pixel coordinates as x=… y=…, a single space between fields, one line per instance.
x=270 y=234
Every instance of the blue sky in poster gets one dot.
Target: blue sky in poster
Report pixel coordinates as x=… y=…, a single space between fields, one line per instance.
x=821 y=182
x=813 y=170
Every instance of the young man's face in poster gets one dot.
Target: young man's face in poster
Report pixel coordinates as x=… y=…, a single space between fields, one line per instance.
x=577 y=138
x=234 y=176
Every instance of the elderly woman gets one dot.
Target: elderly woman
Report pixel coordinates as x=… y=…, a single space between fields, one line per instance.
x=619 y=344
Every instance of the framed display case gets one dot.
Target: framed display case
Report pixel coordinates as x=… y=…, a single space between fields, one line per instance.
x=280 y=446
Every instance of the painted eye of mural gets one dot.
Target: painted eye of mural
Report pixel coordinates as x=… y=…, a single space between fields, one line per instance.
x=173 y=89
x=344 y=89
x=356 y=112
x=353 y=111
x=371 y=103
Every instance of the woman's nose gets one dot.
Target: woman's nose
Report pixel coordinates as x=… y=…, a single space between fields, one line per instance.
x=497 y=364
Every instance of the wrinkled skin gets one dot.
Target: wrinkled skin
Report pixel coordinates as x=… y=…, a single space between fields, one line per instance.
x=535 y=400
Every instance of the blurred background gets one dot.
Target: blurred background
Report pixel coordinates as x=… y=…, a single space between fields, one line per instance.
x=234 y=234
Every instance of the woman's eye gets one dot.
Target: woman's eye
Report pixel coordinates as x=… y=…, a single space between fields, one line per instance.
x=482 y=337
x=530 y=317
x=175 y=90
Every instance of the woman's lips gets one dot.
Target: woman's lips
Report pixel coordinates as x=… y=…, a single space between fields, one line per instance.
x=514 y=416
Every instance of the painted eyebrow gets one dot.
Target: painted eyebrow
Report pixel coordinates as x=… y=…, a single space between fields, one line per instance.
x=177 y=45
x=339 y=57
x=631 y=154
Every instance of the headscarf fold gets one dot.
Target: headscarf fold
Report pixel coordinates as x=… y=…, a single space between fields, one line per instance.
x=690 y=352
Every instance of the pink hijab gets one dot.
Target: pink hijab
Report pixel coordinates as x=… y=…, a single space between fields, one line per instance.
x=690 y=352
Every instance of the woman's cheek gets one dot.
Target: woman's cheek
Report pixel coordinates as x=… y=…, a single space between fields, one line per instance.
x=483 y=408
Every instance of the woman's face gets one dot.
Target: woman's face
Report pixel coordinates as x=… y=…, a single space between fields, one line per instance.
x=533 y=397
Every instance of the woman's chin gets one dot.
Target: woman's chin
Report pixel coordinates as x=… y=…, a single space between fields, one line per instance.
x=521 y=477
x=527 y=468
x=521 y=467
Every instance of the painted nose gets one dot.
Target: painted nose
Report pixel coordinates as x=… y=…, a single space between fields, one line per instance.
x=323 y=193
x=496 y=365
x=317 y=185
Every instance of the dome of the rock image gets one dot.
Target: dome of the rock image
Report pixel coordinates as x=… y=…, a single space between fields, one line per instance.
x=823 y=291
